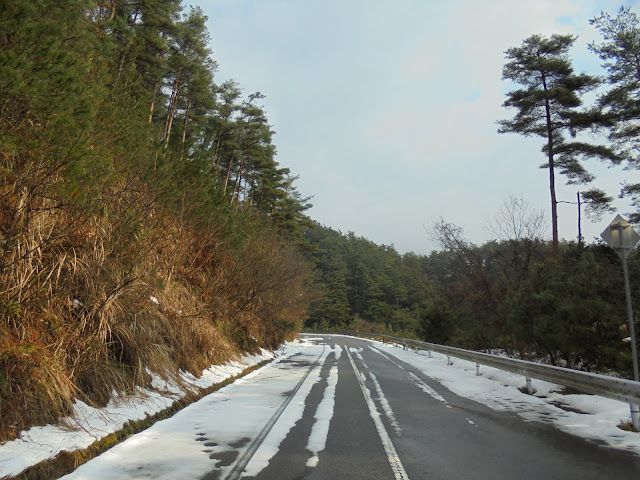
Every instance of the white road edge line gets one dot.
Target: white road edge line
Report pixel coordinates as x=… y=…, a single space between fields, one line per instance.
x=394 y=460
x=385 y=356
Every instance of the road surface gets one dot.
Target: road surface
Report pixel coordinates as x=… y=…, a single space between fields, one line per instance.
x=342 y=408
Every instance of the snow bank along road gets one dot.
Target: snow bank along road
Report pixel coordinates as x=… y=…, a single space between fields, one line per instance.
x=334 y=407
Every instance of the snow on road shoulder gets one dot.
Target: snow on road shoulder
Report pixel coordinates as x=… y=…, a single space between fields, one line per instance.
x=589 y=416
x=295 y=410
x=211 y=436
x=89 y=424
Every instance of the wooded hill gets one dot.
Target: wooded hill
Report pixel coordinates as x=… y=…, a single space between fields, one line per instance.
x=510 y=295
x=145 y=224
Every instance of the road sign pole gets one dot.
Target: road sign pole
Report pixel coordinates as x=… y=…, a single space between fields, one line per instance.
x=620 y=236
x=635 y=410
x=632 y=329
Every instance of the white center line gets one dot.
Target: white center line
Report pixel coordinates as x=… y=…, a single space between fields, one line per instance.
x=394 y=460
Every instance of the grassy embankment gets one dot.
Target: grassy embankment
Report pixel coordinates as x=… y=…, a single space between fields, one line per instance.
x=121 y=252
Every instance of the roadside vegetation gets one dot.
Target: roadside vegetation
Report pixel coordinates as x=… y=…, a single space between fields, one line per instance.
x=145 y=225
x=512 y=296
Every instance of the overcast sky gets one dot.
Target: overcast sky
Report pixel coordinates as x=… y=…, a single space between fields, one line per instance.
x=387 y=109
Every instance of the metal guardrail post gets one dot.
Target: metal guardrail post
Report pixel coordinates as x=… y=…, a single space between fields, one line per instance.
x=529 y=386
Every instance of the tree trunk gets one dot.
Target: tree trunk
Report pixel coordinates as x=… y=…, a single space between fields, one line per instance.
x=122 y=59
x=554 y=204
x=226 y=180
x=552 y=179
x=216 y=157
x=153 y=98
x=580 y=242
x=184 y=127
x=113 y=9
x=251 y=190
x=156 y=85
x=236 y=187
x=172 y=109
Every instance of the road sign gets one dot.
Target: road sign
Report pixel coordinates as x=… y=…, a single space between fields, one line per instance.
x=620 y=236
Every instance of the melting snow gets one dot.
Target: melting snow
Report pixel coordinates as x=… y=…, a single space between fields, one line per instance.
x=212 y=433
x=324 y=413
x=500 y=390
x=91 y=424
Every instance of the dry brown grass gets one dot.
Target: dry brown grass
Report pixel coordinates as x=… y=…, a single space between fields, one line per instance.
x=77 y=318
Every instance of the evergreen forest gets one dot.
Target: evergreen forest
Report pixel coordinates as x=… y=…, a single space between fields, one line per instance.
x=509 y=296
x=146 y=225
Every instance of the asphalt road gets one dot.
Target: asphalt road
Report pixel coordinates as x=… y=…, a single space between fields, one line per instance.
x=336 y=407
x=385 y=426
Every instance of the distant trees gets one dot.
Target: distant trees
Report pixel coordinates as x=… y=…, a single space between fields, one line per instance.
x=363 y=281
x=547 y=106
x=509 y=294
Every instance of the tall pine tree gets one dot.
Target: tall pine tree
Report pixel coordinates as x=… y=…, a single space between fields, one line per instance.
x=547 y=106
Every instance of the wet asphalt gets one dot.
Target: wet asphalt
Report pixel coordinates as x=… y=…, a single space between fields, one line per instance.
x=459 y=439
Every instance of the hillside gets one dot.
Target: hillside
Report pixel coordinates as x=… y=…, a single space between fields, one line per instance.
x=145 y=225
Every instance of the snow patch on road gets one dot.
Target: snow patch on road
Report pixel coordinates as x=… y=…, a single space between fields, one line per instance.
x=358 y=353
x=324 y=413
x=295 y=410
x=337 y=351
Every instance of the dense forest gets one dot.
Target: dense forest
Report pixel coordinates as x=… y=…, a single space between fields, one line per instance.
x=145 y=224
x=510 y=295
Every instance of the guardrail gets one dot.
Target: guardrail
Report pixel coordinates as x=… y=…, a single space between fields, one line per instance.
x=611 y=387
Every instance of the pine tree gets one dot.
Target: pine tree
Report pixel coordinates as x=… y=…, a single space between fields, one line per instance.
x=547 y=107
x=620 y=53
